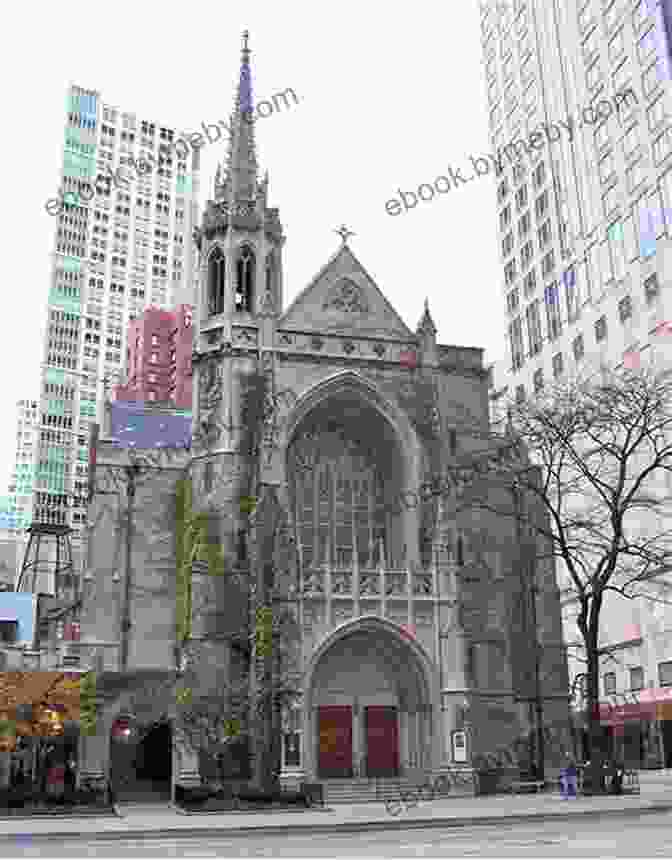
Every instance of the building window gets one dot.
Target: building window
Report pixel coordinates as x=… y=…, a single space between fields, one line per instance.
x=154 y=358
x=609 y=682
x=510 y=272
x=526 y=255
x=538 y=380
x=533 y=327
x=601 y=329
x=452 y=441
x=625 y=308
x=155 y=340
x=521 y=197
x=216 y=282
x=557 y=365
x=548 y=264
x=530 y=282
x=520 y=393
x=577 y=347
x=8 y=632
x=270 y=274
x=507 y=244
x=637 y=678
x=541 y=205
x=244 y=280
x=544 y=233
x=651 y=288
x=665 y=674
x=516 y=341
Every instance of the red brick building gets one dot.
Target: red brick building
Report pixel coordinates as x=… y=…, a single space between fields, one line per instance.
x=158 y=357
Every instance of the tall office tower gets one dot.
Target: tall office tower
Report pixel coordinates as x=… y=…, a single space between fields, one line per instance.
x=584 y=214
x=120 y=247
x=20 y=490
x=585 y=217
x=158 y=362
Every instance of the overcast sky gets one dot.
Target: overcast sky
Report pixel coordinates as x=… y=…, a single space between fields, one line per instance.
x=391 y=96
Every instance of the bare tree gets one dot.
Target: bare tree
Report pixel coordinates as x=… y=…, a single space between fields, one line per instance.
x=599 y=454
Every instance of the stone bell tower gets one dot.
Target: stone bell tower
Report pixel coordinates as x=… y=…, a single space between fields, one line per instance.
x=239 y=301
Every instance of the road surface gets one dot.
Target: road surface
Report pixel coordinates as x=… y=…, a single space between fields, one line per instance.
x=648 y=836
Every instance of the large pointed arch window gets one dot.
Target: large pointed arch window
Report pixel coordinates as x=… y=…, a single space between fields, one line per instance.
x=339 y=510
x=244 y=280
x=216 y=282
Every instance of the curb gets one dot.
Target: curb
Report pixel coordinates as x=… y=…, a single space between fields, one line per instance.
x=60 y=816
x=342 y=827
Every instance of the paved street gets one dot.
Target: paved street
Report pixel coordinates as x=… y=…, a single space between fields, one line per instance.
x=649 y=836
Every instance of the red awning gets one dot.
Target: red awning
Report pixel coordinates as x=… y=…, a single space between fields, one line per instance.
x=647 y=708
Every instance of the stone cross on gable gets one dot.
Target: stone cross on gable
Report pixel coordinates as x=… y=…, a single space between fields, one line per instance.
x=344 y=233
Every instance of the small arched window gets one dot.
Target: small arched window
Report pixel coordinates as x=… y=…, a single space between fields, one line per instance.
x=244 y=280
x=460 y=550
x=270 y=273
x=216 y=282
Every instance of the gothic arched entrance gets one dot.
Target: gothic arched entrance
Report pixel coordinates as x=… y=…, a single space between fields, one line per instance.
x=141 y=759
x=370 y=704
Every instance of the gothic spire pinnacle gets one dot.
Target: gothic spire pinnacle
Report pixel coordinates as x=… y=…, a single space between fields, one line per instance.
x=426 y=324
x=242 y=161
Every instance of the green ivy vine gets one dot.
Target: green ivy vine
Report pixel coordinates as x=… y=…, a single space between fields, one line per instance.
x=193 y=543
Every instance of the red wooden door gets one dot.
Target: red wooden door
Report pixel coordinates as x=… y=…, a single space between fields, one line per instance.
x=382 y=741
x=335 y=741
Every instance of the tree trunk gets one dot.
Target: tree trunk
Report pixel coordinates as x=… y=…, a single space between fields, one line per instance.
x=595 y=751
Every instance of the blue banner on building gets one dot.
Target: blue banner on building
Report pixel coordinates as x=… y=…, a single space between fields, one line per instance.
x=134 y=427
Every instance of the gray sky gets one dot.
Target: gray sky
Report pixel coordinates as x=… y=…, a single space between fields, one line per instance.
x=391 y=96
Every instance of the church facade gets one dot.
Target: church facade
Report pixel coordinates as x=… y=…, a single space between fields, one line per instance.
x=415 y=650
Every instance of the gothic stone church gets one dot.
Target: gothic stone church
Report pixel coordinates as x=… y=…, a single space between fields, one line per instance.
x=416 y=651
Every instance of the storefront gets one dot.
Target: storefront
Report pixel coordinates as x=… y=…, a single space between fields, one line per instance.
x=640 y=731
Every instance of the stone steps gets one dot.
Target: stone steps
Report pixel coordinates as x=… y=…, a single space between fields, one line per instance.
x=363 y=790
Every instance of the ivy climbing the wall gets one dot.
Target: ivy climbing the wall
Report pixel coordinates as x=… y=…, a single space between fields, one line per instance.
x=193 y=542
x=88 y=709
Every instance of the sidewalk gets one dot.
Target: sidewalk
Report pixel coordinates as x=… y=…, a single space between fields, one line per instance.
x=140 y=821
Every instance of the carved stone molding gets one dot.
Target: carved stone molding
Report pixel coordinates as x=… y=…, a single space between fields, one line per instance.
x=346 y=297
x=348 y=347
x=379 y=349
x=316 y=342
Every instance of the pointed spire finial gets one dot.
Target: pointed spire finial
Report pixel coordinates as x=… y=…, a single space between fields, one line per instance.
x=246 y=50
x=344 y=233
x=426 y=324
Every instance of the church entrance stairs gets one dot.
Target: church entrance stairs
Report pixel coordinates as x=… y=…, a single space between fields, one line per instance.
x=364 y=790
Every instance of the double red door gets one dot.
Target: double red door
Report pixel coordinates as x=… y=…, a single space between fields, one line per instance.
x=335 y=741
x=382 y=741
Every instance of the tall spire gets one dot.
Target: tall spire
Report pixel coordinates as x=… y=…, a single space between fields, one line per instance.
x=242 y=160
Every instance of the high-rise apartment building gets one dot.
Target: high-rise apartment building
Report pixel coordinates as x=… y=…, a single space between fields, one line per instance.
x=20 y=489
x=122 y=244
x=158 y=358
x=585 y=218
x=585 y=212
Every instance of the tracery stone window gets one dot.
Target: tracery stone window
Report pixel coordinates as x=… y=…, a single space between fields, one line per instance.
x=340 y=511
x=244 y=280
x=216 y=282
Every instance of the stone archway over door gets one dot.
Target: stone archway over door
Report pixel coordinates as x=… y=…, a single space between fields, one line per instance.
x=141 y=768
x=371 y=704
